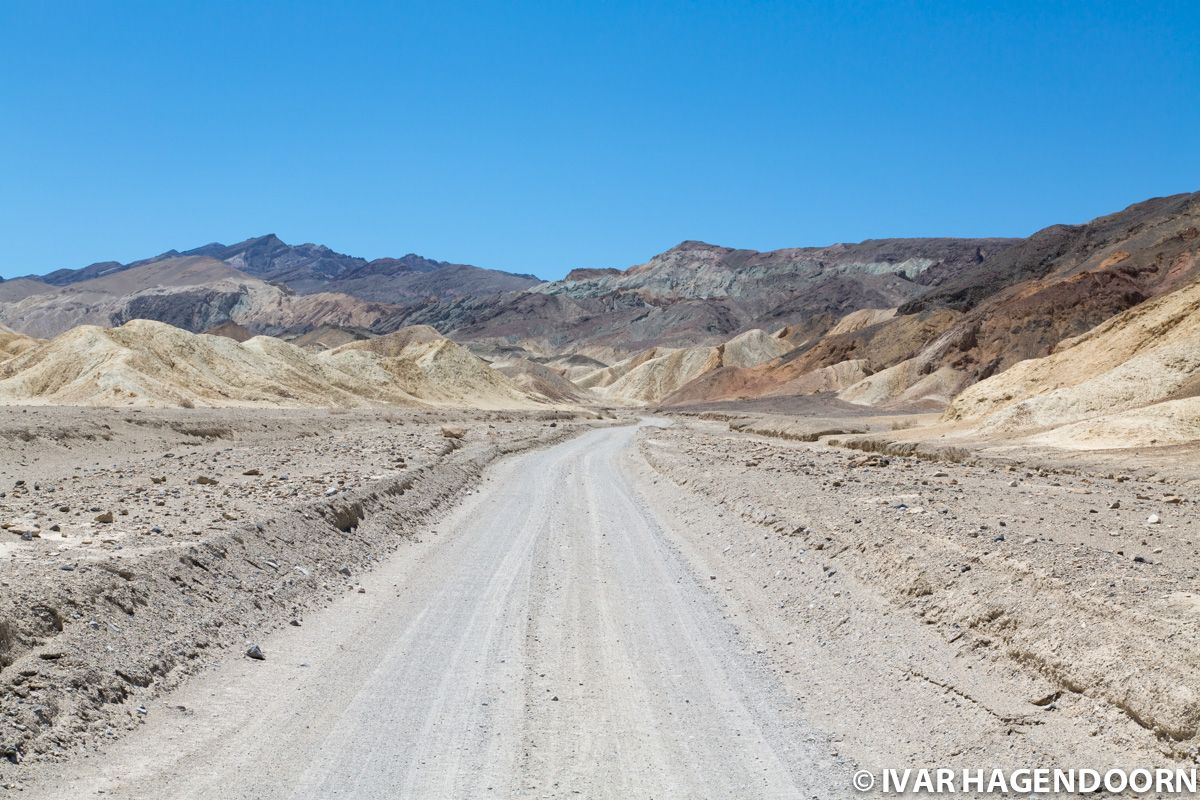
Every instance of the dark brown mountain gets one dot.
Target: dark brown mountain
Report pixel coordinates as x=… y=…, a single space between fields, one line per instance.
x=1063 y=281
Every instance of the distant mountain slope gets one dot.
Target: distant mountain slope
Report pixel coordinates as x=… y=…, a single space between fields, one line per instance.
x=886 y=321
x=190 y=292
x=1063 y=281
x=1146 y=228
x=980 y=319
x=310 y=268
x=698 y=293
x=696 y=270
x=313 y=268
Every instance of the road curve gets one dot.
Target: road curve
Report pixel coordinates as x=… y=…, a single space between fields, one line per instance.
x=548 y=641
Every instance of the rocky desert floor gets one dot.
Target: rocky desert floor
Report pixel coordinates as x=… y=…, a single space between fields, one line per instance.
x=137 y=545
x=618 y=610
x=952 y=612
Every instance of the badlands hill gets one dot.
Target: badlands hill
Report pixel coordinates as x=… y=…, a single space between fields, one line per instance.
x=1020 y=303
x=1132 y=379
x=540 y=381
x=452 y=375
x=1063 y=281
x=658 y=372
x=149 y=363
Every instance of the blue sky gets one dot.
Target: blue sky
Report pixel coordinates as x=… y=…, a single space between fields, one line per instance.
x=540 y=137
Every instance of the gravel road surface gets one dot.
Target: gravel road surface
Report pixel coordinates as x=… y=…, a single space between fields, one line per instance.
x=547 y=640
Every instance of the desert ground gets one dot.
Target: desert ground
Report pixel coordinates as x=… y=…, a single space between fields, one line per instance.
x=566 y=604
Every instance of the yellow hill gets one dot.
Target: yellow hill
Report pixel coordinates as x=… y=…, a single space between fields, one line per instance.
x=1146 y=356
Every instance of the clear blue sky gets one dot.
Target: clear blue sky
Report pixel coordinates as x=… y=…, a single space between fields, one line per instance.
x=539 y=137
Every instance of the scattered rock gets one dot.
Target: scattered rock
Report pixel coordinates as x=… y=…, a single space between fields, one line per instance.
x=453 y=432
x=255 y=652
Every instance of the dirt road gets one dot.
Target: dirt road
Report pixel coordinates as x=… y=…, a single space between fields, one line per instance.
x=546 y=641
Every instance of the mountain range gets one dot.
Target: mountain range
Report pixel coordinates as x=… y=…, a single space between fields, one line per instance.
x=314 y=268
x=882 y=322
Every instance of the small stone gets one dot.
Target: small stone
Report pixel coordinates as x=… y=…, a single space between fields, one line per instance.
x=256 y=653
x=252 y=472
x=105 y=517
x=453 y=432
x=1153 y=519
